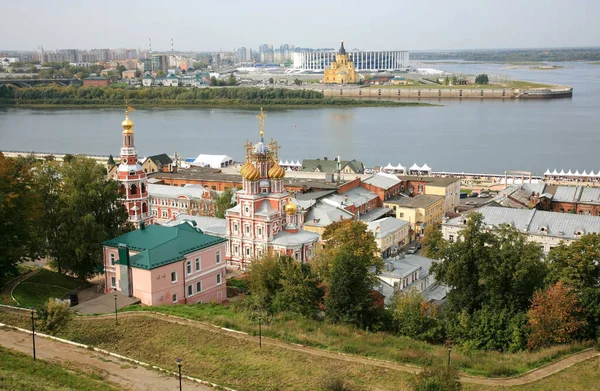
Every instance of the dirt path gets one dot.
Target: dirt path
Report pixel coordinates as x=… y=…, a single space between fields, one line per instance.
x=8 y=288
x=528 y=377
x=127 y=375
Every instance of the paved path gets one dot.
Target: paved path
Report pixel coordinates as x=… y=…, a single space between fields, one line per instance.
x=8 y=288
x=127 y=375
x=528 y=377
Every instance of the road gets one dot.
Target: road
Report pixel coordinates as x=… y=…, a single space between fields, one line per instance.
x=125 y=374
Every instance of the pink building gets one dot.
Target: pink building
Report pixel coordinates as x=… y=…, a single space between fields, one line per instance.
x=166 y=265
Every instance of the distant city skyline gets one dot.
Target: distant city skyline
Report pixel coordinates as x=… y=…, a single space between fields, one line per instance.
x=226 y=25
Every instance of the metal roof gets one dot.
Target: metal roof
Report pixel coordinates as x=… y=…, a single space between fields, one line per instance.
x=383 y=227
x=287 y=239
x=322 y=214
x=166 y=191
x=420 y=201
x=209 y=225
x=567 y=194
x=382 y=180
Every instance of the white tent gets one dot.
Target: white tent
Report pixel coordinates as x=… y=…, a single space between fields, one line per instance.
x=298 y=164
x=570 y=173
x=562 y=172
x=547 y=172
x=414 y=167
x=425 y=168
x=584 y=173
x=577 y=173
x=280 y=162
x=389 y=167
x=286 y=163
x=214 y=161
x=400 y=167
x=554 y=172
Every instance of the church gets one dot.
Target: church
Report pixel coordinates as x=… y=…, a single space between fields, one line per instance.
x=342 y=70
x=265 y=220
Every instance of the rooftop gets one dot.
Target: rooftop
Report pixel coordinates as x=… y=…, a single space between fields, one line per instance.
x=208 y=225
x=323 y=214
x=158 y=245
x=166 y=191
x=163 y=158
x=388 y=225
x=420 y=201
x=383 y=180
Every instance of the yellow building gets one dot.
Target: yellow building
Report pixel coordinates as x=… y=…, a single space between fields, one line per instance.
x=419 y=211
x=342 y=70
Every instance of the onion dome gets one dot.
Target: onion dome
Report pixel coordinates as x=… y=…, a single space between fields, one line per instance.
x=127 y=124
x=250 y=172
x=261 y=150
x=276 y=171
x=290 y=208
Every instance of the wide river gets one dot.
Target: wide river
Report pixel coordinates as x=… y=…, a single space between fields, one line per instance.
x=472 y=136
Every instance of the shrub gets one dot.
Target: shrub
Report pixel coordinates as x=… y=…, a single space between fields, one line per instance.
x=336 y=384
x=53 y=316
x=438 y=378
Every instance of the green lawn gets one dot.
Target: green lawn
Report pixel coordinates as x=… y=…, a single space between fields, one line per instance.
x=386 y=346
x=529 y=84
x=20 y=372
x=43 y=285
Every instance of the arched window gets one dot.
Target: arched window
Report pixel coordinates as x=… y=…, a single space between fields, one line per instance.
x=143 y=188
x=133 y=189
x=144 y=208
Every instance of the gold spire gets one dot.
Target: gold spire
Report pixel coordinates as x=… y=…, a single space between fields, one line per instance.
x=127 y=124
x=261 y=119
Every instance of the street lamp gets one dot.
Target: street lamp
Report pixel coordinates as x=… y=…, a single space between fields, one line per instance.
x=32 y=309
x=179 y=360
x=449 y=351
x=260 y=332
x=116 y=319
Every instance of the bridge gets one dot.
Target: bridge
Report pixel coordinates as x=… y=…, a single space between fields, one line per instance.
x=34 y=82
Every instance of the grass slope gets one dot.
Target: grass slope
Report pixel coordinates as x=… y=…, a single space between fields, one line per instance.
x=45 y=284
x=20 y=372
x=386 y=346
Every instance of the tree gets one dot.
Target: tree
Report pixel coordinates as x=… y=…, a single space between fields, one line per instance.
x=53 y=316
x=19 y=205
x=576 y=264
x=349 y=266
x=138 y=73
x=454 y=80
x=297 y=81
x=433 y=241
x=555 y=317
x=224 y=202
x=446 y=81
x=232 y=81
x=438 y=378
x=271 y=80
x=87 y=211
x=482 y=79
x=416 y=318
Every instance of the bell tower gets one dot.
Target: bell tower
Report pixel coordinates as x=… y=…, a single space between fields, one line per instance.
x=134 y=186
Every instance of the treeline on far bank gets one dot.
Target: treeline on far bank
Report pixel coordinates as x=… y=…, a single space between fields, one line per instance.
x=174 y=96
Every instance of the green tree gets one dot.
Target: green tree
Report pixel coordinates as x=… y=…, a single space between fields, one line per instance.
x=446 y=81
x=121 y=69
x=349 y=266
x=416 y=318
x=54 y=316
x=576 y=264
x=454 y=80
x=482 y=79
x=271 y=81
x=438 y=378
x=264 y=281
x=19 y=205
x=232 y=81
x=224 y=202
x=433 y=241
x=89 y=212
x=299 y=291
x=297 y=81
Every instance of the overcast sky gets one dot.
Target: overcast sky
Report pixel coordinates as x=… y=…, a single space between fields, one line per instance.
x=226 y=24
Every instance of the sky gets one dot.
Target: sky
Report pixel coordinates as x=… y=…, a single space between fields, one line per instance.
x=225 y=24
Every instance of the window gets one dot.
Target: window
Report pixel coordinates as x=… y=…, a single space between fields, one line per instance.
x=451 y=238
x=235 y=227
x=188 y=267
x=113 y=282
x=199 y=287
x=164 y=214
x=214 y=187
x=247 y=230
x=259 y=231
x=219 y=279
x=401 y=215
x=173 y=276
x=247 y=251
x=197 y=264
x=218 y=256
x=190 y=290
x=112 y=259
x=264 y=191
x=175 y=298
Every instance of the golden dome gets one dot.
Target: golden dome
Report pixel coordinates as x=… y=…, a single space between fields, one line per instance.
x=291 y=208
x=249 y=172
x=127 y=125
x=276 y=171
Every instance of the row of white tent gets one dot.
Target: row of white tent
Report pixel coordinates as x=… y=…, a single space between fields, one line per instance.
x=570 y=173
x=290 y=164
x=414 y=167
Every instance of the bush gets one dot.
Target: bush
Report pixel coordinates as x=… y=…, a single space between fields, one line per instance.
x=438 y=379
x=336 y=384
x=53 y=316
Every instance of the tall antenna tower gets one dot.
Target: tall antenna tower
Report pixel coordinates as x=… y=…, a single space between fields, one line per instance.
x=150 y=46
x=171 y=45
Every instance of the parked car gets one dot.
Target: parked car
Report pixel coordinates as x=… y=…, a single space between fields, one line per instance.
x=463 y=195
x=484 y=195
x=411 y=250
x=418 y=245
x=474 y=194
x=470 y=203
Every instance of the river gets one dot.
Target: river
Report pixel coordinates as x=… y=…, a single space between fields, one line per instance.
x=471 y=136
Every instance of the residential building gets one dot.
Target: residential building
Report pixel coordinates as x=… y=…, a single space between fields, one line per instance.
x=159 y=163
x=357 y=200
x=390 y=234
x=449 y=188
x=384 y=185
x=167 y=202
x=265 y=220
x=171 y=81
x=166 y=265
x=147 y=81
x=130 y=74
x=548 y=229
x=134 y=186
x=419 y=211
x=333 y=165
x=96 y=81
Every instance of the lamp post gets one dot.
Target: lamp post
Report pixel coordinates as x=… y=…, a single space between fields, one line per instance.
x=449 y=351
x=116 y=319
x=179 y=360
x=32 y=309
x=260 y=332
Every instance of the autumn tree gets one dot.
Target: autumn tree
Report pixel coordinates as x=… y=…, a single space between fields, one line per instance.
x=555 y=317
x=349 y=266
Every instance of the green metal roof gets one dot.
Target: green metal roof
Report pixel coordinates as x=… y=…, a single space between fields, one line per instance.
x=159 y=246
x=330 y=165
x=96 y=78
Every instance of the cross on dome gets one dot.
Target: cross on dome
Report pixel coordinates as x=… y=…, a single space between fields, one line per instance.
x=261 y=118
